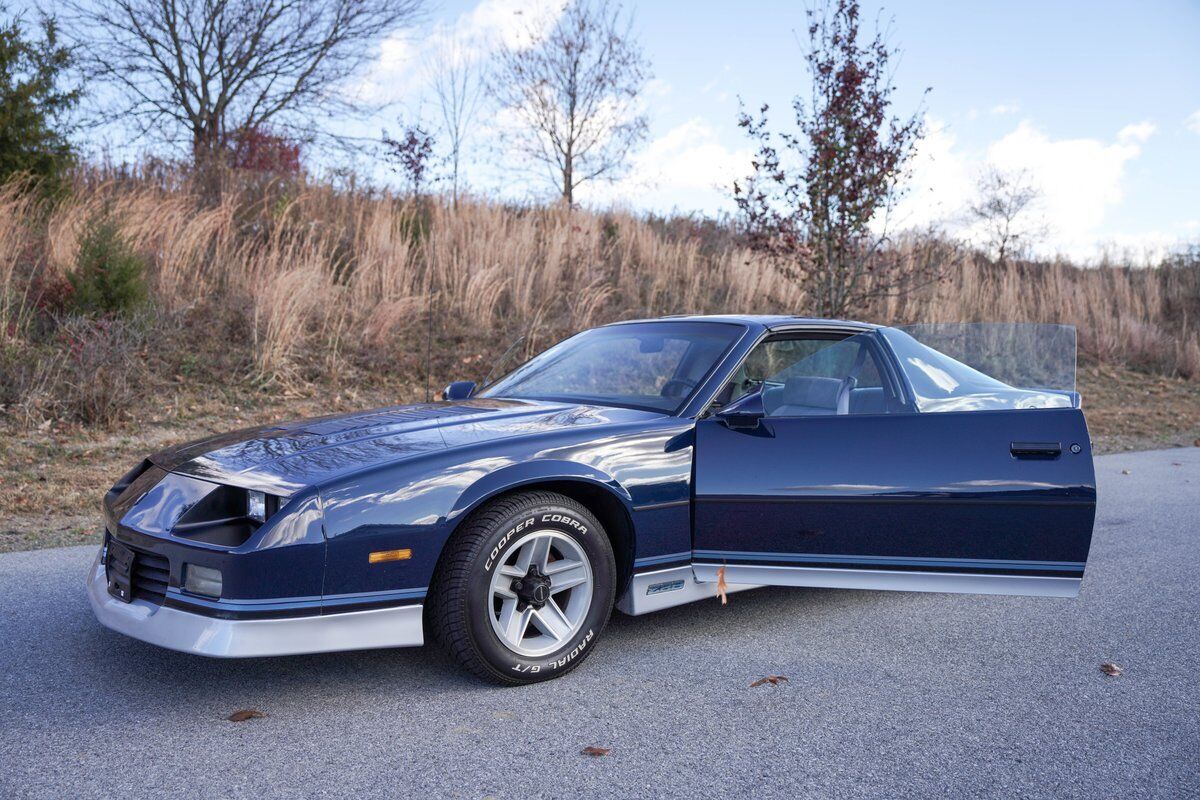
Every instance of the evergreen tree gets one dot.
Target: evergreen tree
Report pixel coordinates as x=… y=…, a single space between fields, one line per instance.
x=34 y=102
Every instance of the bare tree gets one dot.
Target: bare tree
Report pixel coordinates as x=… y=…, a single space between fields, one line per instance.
x=575 y=91
x=206 y=68
x=457 y=83
x=1002 y=211
x=818 y=199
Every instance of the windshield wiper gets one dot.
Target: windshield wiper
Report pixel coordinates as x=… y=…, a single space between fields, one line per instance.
x=501 y=361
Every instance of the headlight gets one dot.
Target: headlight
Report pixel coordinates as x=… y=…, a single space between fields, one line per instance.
x=202 y=580
x=256 y=505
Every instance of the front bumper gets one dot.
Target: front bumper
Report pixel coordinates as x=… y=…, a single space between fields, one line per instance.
x=247 y=638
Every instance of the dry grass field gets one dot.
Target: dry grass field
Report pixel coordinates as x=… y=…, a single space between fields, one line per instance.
x=289 y=298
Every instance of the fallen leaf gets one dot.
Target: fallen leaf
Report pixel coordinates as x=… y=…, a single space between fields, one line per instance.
x=595 y=752
x=722 y=586
x=1197 y=443
x=1109 y=668
x=774 y=680
x=1124 y=472
x=245 y=714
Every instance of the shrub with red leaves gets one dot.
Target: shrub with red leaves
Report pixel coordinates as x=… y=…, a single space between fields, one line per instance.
x=52 y=293
x=104 y=369
x=260 y=150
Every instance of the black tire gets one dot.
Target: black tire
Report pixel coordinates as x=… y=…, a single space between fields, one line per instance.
x=460 y=595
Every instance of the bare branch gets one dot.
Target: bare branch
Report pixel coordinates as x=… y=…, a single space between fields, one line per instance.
x=575 y=91
x=214 y=67
x=1002 y=210
x=457 y=83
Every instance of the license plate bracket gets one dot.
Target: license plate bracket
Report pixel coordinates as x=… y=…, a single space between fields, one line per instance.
x=118 y=570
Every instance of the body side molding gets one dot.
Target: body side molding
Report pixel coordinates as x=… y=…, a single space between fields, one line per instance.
x=892 y=580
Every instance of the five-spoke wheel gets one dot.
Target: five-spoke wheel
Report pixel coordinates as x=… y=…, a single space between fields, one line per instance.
x=523 y=588
x=541 y=593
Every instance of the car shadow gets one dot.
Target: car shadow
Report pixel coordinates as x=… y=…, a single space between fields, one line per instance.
x=144 y=678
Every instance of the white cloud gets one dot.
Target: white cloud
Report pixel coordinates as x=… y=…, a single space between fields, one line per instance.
x=942 y=179
x=509 y=22
x=402 y=67
x=1004 y=108
x=687 y=168
x=1192 y=123
x=1080 y=179
x=1081 y=182
x=1137 y=132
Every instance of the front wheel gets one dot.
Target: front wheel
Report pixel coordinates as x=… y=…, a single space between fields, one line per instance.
x=524 y=588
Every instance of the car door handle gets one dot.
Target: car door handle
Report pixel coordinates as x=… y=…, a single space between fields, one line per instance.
x=1035 y=449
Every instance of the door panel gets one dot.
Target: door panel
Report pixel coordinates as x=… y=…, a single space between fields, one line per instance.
x=955 y=501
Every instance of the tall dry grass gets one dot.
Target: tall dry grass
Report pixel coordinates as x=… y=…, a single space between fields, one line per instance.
x=323 y=278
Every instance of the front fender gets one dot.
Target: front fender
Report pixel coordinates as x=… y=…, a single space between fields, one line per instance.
x=415 y=505
x=529 y=473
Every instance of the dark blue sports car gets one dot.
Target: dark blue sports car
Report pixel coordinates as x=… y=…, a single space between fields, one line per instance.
x=639 y=465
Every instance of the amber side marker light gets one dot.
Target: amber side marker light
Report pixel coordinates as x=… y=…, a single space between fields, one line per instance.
x=379 y=556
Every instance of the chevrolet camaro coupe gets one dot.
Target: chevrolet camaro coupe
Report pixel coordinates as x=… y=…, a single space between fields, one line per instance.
x=639 y=465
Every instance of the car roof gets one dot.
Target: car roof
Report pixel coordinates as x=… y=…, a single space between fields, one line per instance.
x=768 y=321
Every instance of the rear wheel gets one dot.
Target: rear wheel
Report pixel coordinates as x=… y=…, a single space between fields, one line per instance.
x=524 y=588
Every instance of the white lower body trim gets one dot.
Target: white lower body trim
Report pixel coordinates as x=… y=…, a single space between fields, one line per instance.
x=247 y=638
x=666 y=588
x=892 y=580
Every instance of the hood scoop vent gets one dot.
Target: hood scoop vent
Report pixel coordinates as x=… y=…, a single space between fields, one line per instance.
x=399 y=415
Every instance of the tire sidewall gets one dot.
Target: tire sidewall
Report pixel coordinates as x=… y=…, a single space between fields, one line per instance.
x=586 y=531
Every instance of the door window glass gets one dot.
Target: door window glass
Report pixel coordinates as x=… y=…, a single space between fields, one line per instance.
x=995 y=366
x=818 y=375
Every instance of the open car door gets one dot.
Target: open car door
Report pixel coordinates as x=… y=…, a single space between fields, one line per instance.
x=949 y=458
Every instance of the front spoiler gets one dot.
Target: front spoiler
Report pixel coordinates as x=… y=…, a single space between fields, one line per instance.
x=224 y=638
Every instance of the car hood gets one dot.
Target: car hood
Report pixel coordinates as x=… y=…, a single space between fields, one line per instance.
x=284 y=458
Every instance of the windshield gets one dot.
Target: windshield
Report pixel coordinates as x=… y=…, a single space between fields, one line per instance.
x=650 y=365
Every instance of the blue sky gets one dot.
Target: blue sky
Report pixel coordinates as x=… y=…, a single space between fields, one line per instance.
x=1099 y=102
x=1093 y=99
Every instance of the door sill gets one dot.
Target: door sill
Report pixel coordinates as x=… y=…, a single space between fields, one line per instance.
x=667 y=588
x=890 y=580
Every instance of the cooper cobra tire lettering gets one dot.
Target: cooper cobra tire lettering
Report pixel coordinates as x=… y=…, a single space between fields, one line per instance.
x=460 y=611
x=499 y=548
x=565 y=520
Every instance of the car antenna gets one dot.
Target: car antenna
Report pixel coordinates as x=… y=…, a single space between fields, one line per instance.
x=503 y=359
x=429 y=347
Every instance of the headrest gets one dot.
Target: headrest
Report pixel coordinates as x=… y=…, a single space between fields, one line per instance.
x=812 y=392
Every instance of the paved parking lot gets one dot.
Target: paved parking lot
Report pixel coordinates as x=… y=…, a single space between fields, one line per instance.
x=888 y=695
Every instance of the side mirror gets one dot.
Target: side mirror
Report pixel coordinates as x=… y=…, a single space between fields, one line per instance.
x=459 y=390
x=745 y=413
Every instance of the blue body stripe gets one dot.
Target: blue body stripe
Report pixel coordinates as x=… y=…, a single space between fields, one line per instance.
x=684 y=555
x=287 y=603
x=822 y=558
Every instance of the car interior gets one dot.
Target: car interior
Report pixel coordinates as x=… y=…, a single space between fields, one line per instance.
x=805 y=375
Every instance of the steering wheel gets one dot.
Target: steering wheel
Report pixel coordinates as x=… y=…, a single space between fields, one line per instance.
x=677 y=387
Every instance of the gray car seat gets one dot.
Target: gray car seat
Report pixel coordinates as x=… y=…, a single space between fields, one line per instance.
x=805 y=396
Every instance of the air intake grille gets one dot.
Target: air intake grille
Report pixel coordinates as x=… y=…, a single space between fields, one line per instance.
x=149 y=576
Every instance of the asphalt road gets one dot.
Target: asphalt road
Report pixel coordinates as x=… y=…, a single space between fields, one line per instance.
x=888 y=695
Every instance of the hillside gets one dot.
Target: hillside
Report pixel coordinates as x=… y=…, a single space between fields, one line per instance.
x=136 y=312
